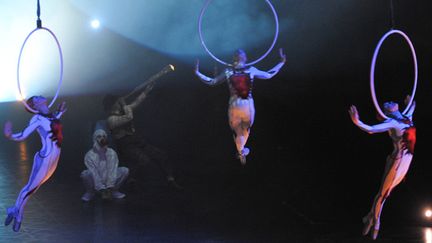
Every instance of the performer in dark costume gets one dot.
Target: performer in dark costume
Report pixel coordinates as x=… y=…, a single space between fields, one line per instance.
x=131 y=147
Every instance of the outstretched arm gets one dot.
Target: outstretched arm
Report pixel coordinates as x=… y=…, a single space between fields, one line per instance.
x=22 y=135
x=141 y=97
x=207 y=80
x=272 y=72
x=383 y=127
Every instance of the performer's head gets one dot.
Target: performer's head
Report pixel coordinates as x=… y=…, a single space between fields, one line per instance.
x=100 y=138
x=391 y=107
x=239 y=58
x=38 y=103
x=112 y=105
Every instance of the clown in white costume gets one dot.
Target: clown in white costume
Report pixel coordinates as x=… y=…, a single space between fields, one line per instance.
x=103 y=174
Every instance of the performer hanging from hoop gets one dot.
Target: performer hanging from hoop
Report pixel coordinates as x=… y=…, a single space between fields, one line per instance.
x=403 y=134
x=48 y=125
x=241 y=110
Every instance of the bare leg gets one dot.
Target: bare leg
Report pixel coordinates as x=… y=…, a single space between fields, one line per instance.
x=241 y=135
x=241 y=118
x=42 y=170
x=387 y=185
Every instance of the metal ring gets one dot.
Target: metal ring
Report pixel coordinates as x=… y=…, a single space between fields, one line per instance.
x=247 y=64
x=61 y=68
x=372 y=71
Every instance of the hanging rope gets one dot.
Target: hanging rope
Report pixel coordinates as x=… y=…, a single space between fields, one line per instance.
x=392 y=15
x=38 y=21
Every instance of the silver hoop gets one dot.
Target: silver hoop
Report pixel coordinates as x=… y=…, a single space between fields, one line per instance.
x=247 y=64
x=61 y=68
x=372 y=71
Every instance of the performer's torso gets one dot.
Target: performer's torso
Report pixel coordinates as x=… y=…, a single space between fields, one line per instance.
x=240 y=83
x=403 y=135
x=123 y=130
x=50 y=131
x=103 y=161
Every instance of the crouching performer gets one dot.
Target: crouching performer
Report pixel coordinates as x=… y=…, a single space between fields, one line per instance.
x=103 y=174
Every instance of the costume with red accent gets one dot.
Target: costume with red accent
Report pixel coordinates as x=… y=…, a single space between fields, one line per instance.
x=401 y=130
x=241 y=109
x=45 y=161
x=240 y=83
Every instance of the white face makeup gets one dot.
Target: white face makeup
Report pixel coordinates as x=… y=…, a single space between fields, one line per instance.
x=101 y=139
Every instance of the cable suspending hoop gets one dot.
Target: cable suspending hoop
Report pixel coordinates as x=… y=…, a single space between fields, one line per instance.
x=223 y=62
x=372 y=71
x=39 y=27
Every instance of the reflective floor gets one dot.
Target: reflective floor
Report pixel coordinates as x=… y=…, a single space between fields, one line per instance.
x=154 y=212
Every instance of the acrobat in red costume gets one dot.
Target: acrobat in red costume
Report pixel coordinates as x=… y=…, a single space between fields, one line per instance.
x=241 y=110
x=48 y=126
x=402 y=131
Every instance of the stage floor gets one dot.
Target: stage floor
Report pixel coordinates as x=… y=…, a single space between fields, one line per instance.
x=153 y=212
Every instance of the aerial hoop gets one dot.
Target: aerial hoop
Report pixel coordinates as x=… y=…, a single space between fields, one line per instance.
x=372 y=71
x=247 y=64
x=61 y=68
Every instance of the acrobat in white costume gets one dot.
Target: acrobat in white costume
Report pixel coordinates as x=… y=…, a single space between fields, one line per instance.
x=48 y=126
x=403 y=134
x=241 y=109
x=401 y=129
x=240 y=77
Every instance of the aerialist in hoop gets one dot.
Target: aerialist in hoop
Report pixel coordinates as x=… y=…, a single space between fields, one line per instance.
x=240 y=76
x=401 y=130
x=241 y=110
x=48 y=125
x=403 y=134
